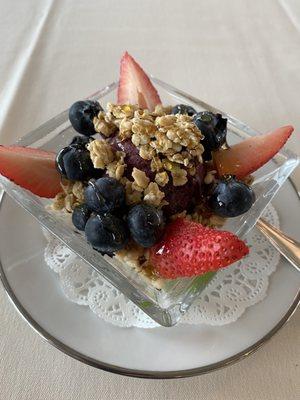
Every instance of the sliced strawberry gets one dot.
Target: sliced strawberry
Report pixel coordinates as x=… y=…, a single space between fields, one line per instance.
x=135 y=86
x=246 y=157
x=33 y=169
x=190 y=249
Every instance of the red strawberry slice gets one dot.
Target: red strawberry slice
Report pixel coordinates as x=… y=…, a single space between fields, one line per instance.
x=33 y=169
x=190 y=249
x=246 y=157
x=135 y=86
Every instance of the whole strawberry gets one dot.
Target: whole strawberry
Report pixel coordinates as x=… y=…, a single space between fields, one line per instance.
x=190 y=249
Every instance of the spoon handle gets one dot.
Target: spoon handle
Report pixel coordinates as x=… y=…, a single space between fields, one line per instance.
x=287 y=246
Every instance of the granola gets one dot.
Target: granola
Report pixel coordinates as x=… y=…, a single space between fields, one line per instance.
x=162 y=178
x=71 y=196
x=179 y=176
x=103 y=126
x=141 y=181
x=137 y=258
x=101 y=153
x=133 y=196
x=116 y=168
x=210 y=177
x=153 y=195
x=159 y=136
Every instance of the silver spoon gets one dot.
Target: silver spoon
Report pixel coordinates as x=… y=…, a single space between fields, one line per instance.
x=287 y=246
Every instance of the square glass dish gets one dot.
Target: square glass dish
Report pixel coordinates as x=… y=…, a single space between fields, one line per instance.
x=168 y=304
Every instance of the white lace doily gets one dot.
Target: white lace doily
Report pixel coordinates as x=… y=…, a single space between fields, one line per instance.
x=223 y=301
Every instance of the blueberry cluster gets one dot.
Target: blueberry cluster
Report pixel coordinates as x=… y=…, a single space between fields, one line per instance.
x=214 y=129
x=73 y=161
x=107 y=222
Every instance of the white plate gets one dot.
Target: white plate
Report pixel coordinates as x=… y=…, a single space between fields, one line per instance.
x=156 y=353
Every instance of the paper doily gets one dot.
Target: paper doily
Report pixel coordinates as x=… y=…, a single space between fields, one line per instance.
x=223 y=301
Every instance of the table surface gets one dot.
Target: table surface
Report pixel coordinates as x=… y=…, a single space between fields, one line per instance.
x=242 y=56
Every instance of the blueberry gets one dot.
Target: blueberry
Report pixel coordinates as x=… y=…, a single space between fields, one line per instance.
x=214 y=129
x=80 y=216
x=74 y=163
x=105 y=195
x=81 y=140
x=59 y=161
x=183 y=109
x=106 y=233
x=231 y=197
x=81 y=115
x=145 y=224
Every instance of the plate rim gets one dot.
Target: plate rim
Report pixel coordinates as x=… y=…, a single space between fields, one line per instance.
x=145 y=373
x=135 y=372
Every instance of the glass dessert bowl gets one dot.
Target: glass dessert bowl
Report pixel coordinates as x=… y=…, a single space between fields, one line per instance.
x=164 y=300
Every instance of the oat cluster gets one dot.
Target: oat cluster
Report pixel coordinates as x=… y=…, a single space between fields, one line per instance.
x=210 y=177
x=141 y=189
x=71 y=196
x=101 y=153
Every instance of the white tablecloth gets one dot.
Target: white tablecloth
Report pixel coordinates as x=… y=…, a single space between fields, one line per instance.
x=242 y=56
